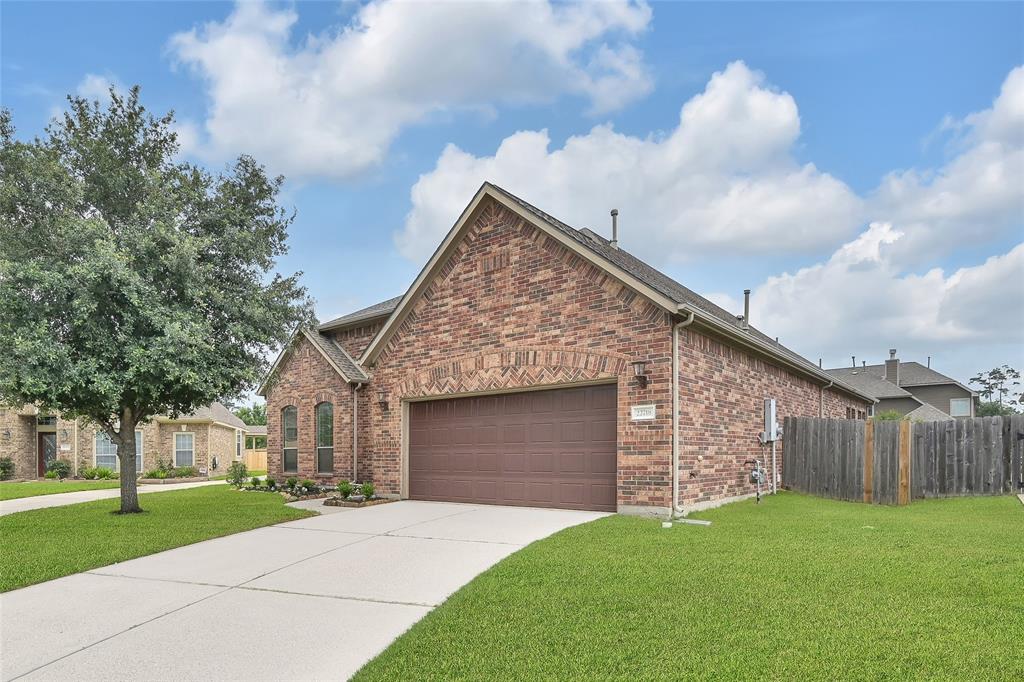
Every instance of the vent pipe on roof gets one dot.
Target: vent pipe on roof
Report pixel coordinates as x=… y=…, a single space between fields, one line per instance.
x=853 y=361
x=746 y=309
x=863 y=363
x=819 y=363
x=929 y=362
x=615 y=228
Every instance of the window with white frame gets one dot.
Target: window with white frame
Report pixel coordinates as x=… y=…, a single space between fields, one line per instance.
x=106 y=452
x=238 y=445
x=184 y=449
x=960 y=407
x=290 y=433
x=324 y=438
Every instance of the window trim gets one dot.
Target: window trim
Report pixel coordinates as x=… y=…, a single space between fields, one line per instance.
x=174 y=448
x=140 y=450
x=966 y=400
x=238 y=444
x=319 y=447
x=285 y=441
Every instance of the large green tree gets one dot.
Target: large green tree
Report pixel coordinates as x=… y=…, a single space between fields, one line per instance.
x=132 y=283
x=255 y=414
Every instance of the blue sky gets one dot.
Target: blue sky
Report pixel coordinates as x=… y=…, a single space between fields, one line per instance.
x=811 y=127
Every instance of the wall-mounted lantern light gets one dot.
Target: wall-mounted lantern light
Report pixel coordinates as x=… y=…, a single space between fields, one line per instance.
x=382 y=399
x=640 y=372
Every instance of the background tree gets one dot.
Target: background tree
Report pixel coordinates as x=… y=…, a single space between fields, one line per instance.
x=255 y=414
x=997 y=382
x=992 y=408
x=133 y=284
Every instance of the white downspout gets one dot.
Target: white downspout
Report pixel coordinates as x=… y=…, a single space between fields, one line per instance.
x=675 y=413
x=355 y=431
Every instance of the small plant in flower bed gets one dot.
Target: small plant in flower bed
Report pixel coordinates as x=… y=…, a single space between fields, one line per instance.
x=345 y=489
x=97 y=473
x=255 y=482
x=291 y=482
x=271 y=483
x=165 y=471
x=307 y=487
x=237 y=474
x=367 y=490
x=59 y=468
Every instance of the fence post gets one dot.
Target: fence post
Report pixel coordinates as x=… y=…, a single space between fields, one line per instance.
x=869 y=460
x=903 y=491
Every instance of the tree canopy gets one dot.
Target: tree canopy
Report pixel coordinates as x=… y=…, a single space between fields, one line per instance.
x=255 y=414
x=133 y=283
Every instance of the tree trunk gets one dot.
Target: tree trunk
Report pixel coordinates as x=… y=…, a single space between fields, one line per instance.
x=126 y=456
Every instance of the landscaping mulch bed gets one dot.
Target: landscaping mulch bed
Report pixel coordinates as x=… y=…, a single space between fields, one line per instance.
x=338 y=502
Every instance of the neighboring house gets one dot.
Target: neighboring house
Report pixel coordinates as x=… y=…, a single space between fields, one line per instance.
x=209 y=439
x=911 y=389
x=534 y=364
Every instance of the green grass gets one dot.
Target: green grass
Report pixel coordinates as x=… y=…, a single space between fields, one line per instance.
x=13 y=491
x=48 y=543
x=795 y=588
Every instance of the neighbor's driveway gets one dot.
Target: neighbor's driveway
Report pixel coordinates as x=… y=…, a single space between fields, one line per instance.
x=61 y=499
x=309 y=599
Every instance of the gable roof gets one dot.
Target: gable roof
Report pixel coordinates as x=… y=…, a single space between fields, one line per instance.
x=337 y=357
x=382 y=309
x=872 y=378
x=214 y=412
x=659 y=288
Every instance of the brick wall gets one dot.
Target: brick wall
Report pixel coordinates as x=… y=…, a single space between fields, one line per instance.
x=722 y=391
x=305 y=379
x=356 y=339
x=18 y=441
x=221 y=447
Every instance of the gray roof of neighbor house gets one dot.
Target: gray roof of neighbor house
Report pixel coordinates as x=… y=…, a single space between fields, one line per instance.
x=214 y=412
x=911 y=374
x=871 y=382
x=256 y=429
x=376 y=310
x=927 y=413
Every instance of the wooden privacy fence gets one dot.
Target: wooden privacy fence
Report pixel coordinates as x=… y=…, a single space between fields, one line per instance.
x=892 y=462
x=256 y=460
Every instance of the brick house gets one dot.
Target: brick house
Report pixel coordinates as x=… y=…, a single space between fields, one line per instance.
x=208 y=439
x=534 y=364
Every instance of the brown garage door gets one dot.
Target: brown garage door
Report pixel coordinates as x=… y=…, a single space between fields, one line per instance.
x=551 y=448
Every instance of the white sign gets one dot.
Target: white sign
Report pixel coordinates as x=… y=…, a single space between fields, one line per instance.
x=642 y=412
x=65 y=447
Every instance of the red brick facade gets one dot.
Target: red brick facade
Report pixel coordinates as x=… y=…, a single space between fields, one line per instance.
x=511 y=308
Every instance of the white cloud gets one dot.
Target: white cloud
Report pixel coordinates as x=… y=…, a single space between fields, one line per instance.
x=977 y=195
x=332 y=104
x=724 y=180
x=97 y=87
x=861 y=298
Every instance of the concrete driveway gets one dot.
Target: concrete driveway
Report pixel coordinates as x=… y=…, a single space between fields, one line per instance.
x=311 y=599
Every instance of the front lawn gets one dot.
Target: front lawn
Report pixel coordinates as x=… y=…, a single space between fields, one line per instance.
x=48 y=543
x=12 y=491
x=795 y=588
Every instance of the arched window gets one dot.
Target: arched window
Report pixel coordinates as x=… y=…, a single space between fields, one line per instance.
x=290 y=439
x=325 y=438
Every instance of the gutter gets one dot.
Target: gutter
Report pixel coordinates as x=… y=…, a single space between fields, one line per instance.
x=676 y=509
x=821 y=398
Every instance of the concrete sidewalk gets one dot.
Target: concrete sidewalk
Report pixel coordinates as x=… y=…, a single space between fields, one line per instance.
x=311 y=599
x=60 y=499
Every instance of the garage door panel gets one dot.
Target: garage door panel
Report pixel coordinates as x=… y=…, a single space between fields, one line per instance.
x=551 y=448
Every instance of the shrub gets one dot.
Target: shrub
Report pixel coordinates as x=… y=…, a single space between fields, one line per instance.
x=237 y=473
x=155 y=473
x=271 y=483
x=6 y=468
x=255 y=481
x=60 y=468
x=185 y=472
x=310 y=487
x=50 y=474
x=367 y=490
x=98 y=473
x=291 y=482
x=889 y=416
x=345 y=489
